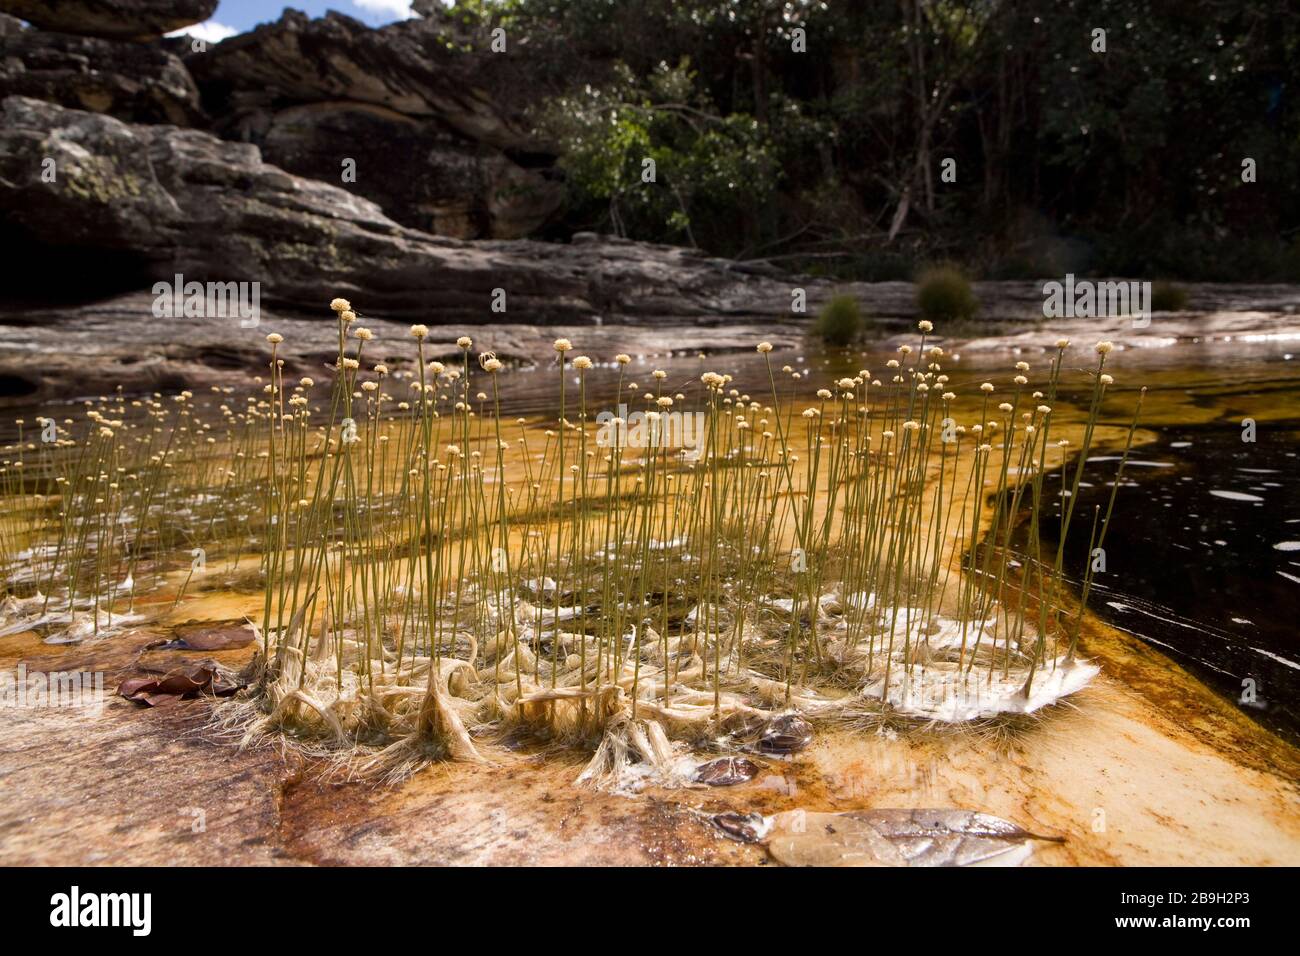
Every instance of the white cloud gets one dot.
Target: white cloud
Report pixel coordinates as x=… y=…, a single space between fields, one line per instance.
x=209 y=30
x=401 y=9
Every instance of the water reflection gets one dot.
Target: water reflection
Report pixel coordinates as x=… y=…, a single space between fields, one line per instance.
x=1203 y=559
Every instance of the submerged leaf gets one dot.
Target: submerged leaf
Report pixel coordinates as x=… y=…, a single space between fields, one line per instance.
x=898 y=838
x=786 y=734
x=726 y=771
x=209 y=636
x=745 y=827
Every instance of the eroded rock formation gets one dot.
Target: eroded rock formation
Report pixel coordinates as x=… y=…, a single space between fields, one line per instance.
x=124 y=19
x=392 y=115
x=425 y=141
x=171 y=200
x=140 y=82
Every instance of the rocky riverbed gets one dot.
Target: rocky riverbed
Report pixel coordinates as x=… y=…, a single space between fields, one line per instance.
x=1147 y=767
x=128 y=159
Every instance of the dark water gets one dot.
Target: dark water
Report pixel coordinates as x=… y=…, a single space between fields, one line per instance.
x=1203 y=558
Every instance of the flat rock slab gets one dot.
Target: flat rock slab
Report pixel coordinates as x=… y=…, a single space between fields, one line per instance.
x=125 y=785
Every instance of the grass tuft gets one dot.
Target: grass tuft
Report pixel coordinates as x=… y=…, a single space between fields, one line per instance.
x=943 y=293
x=1168 y=297
x=840 y=322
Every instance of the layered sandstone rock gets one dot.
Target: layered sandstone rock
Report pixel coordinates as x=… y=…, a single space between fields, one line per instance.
x=123 y=19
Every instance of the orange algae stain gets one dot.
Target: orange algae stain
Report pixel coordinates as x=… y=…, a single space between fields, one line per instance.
x=518 y=812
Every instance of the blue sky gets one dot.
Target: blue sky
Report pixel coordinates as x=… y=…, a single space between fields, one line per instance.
x=239 y=16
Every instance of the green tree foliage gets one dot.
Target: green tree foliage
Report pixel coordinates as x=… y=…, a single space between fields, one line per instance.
x=816 y=133
x=660 y=158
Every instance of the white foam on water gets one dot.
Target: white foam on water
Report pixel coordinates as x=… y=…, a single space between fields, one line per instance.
x=1234 y=495
x=1132 y=461
x=1281 y=660
x=946 y=696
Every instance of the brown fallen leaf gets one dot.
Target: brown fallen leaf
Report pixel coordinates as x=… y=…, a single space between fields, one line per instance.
x=726 y=771
x=208 y=636
x=887 y=837
x=181 y=683
x=745 y=827
x=786 y=734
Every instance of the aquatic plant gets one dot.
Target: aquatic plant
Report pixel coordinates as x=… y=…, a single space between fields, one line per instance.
x=431 y=573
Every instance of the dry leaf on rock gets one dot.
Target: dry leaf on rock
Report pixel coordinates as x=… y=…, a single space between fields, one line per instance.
x=888 y=837
x=726 y=771
x=208 y=636
x=181 y=683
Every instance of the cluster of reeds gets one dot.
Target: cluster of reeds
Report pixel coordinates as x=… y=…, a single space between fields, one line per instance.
x=429 y=568
x=135 y=486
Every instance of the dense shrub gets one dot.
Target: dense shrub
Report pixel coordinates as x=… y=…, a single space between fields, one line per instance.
x=1167 y=297
x=944 y=293
x=840 y=322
